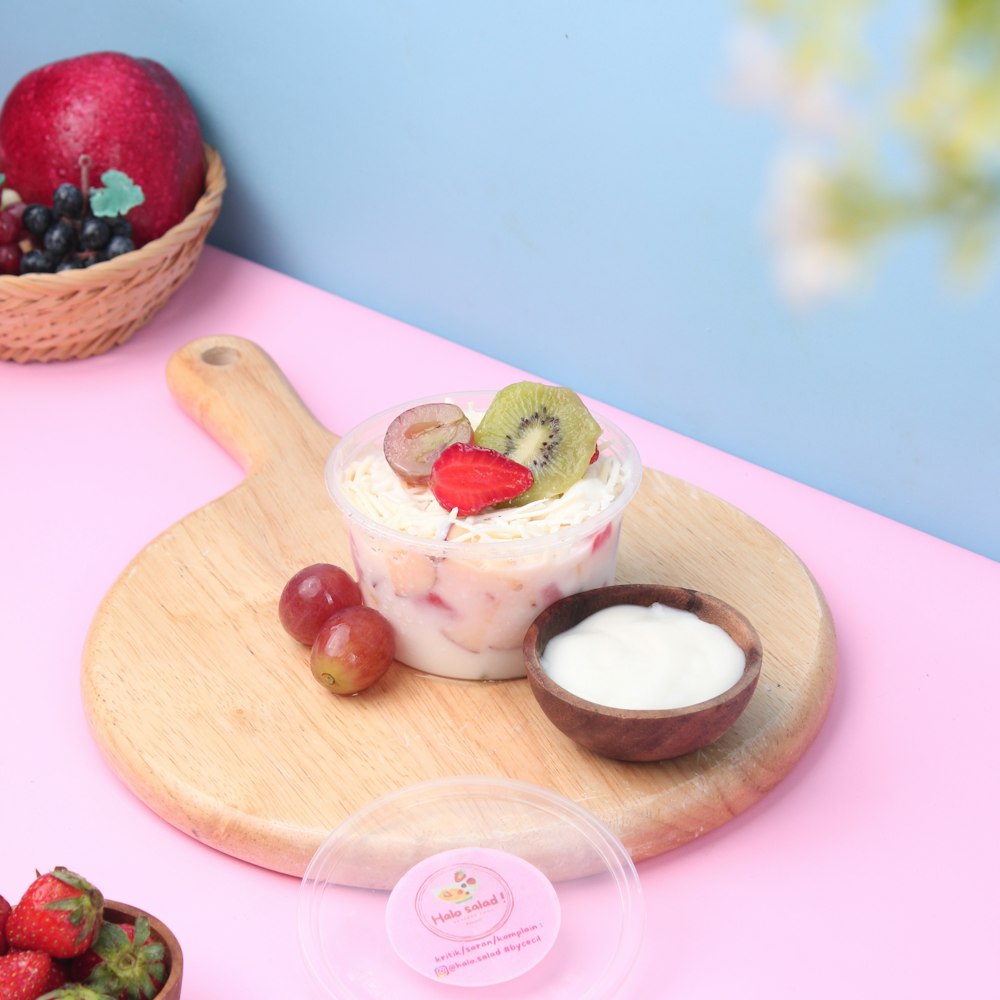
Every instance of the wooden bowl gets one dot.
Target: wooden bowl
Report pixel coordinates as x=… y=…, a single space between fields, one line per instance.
x=646 y=734
x=122 y=913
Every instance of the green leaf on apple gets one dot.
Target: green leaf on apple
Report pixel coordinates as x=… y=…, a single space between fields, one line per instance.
x=119 y=194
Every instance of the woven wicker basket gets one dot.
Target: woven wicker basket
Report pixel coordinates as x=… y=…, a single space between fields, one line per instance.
x=77 y=314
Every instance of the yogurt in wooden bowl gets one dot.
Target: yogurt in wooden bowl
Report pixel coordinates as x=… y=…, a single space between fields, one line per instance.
x=651 y=686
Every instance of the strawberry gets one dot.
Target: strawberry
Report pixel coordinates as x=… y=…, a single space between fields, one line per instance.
x=125 y=961
x=74 y=991
x=4 y=914
x=57 y=977
x=59 y=913
x=24 y=975
x=468 y=478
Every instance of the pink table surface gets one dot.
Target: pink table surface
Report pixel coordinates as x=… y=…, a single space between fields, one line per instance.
x=870 y=871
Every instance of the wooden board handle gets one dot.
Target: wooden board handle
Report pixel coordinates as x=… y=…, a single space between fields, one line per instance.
x=233 y=388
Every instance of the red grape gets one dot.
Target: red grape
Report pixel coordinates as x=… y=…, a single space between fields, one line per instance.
x=10 y=227
x=418 y=435
x=17 y=210
x=10 y=258
x=311 y=596
x=353 y=649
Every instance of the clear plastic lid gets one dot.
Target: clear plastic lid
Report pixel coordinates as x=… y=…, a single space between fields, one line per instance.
x=484 y=884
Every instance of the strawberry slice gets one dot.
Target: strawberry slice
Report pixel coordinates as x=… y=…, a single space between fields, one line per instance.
x=468 y=478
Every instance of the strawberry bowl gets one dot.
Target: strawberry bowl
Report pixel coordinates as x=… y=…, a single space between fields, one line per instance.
x=460 y=592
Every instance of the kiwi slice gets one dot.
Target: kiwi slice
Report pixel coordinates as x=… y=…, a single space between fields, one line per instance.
x=547 y=428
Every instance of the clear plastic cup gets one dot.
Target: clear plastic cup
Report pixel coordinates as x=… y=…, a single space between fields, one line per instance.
x=461 y=608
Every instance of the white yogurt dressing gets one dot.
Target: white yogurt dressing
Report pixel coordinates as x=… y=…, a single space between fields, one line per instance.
x=634 y=657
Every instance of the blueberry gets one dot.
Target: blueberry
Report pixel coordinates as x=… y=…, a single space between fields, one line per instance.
x=68 y=201
x=36 y=219
x=94 y=233
x=121 y=227
x=69 y=264
x=60 y=238
x=37 y=262
x=119 y=245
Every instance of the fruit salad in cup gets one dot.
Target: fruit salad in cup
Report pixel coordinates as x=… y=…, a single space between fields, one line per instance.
x=469 y=514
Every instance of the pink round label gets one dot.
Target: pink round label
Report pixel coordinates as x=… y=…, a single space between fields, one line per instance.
x=472 y=917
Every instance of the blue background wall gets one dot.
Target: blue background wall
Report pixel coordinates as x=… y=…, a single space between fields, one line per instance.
x=561 y=185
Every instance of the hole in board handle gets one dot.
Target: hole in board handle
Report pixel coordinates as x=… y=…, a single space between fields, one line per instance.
x=220 y=356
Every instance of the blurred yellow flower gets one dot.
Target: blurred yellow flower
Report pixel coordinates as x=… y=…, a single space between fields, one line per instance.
x=923 y=149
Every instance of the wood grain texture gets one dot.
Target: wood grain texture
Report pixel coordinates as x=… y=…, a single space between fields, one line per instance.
x=209 y=714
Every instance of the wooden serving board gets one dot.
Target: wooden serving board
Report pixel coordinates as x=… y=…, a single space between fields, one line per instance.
x=209 y=713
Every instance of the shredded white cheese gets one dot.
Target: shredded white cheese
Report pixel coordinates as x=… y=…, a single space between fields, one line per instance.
x=377 y=492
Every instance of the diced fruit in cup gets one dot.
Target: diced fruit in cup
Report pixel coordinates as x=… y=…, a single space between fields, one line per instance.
x=311 y=596
x=411 y=574
x=353 y=650
x=416 y=437
x=468 y=478
x=546 y=428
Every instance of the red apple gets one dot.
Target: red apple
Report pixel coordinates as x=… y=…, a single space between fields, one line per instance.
x=124 y=113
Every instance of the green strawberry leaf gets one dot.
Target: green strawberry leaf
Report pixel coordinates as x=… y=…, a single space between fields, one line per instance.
x=110 y=939
x=141 y=931
x=119 y=194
